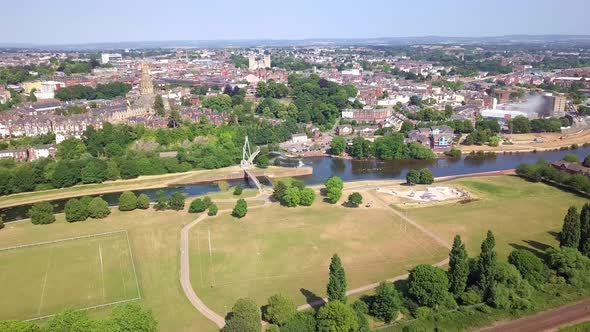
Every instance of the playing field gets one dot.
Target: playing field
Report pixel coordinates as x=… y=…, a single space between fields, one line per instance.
x=40 y=280
x=520 y=213
x=288 y=250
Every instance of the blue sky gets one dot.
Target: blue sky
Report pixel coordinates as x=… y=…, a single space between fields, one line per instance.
x=85 y=21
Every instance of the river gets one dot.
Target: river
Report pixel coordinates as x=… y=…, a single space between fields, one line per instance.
x=349 y=170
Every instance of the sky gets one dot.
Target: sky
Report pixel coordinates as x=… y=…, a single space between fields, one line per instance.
x=91 y=21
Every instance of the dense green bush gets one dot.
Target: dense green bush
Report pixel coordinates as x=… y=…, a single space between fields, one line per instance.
x=98 y=208
x=41 y=213
x=143 y=202
x=127 y=201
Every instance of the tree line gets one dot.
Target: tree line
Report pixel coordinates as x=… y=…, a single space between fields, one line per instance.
x=101 y=91
x=127 y=317
x=543 y=171
x=389 y=147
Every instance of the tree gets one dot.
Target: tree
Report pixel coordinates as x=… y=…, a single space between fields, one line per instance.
x=487 y=264
x=238 y=190
x=292 y=196
x=159 y=105
x=303 y=321
x=95 y=171
x=570 y=232
x=413 y=177
x=18 y=326
x=71 y=148
x=355 y=199
x=531 y=267
x=143 y=201
x=245 y=317
x=212 y=210
x=75 y=210
x=307 y=196
x=386 y=302
x=127 y=201
x=334 y=187
x=262 y=161
x=406 y=127
x=428 y=285
x=69 y=320
x=426 y=176
x=520 y=125
x=161 y=201
x=458 y=267
x=279 y=190
x=176 y=201
x=280 y=309
x=41 y=213
x=129 y=169
x=1 y=223
x=131 y=317
x=337 y=281
x=337 y=145
x=98 y=208
x=572 y=158
x=197 y=206
x=240 y=209
x=336 y=316
x=584 y=246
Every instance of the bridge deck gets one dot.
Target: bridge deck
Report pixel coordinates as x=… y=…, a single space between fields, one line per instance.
x=253 y=178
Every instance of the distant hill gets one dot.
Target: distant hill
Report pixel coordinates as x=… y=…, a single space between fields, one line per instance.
x=385 y=41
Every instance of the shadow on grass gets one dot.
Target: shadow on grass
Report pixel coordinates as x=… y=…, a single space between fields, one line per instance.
x=534 y=251
x=554 y=234
x=312 y=299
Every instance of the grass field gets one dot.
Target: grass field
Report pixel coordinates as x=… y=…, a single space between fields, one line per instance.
x=521 y=214
x=288 y=250
x=77 y=273
x=154 y=238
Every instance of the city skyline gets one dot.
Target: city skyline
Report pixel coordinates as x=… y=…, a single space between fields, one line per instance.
x=63 y=22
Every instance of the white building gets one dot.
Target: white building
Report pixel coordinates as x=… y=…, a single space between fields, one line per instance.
x=48 y=89
x=108 y=57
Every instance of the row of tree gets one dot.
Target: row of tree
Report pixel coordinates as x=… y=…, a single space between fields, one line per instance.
x=102 y=91
x=543 y=171
x=293 y=193
x=390 y=147
x=128 y=317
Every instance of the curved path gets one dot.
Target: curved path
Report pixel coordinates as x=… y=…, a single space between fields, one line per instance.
x=217 y=319
x=185 y=280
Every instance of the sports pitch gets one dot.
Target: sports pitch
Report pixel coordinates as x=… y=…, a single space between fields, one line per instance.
x=43 y=278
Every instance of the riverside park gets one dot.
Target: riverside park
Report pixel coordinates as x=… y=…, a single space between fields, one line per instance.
x=136 y=255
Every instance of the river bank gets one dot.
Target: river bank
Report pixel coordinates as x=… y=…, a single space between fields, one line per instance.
x=149 y=182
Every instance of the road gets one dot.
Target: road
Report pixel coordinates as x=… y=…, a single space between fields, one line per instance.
x=546 y=321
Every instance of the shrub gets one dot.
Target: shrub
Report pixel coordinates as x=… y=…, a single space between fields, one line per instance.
x=98 y=208
x=530 y=266
x=428 y=285
x=240 y=209
x=1 y=223
x=291 y=197
x=307 y=196
x=223 y=185
x=41 y=213
x=143 y=202
x=238 y=190
x=75 y=210
x=302 y=322
x=453 y=153
x=355 y=199
x=127 y=201
x=423 y=313
x=470 y=297
x=207 y=200
x=245 y=317
x=426 y=176
x=273 y=327
x=386 y=303
x=212 y=210
x=280 y=309
x=197 y=206
x=572 y=158
x=176 y=201
x=161 y=201
x=413 y=177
